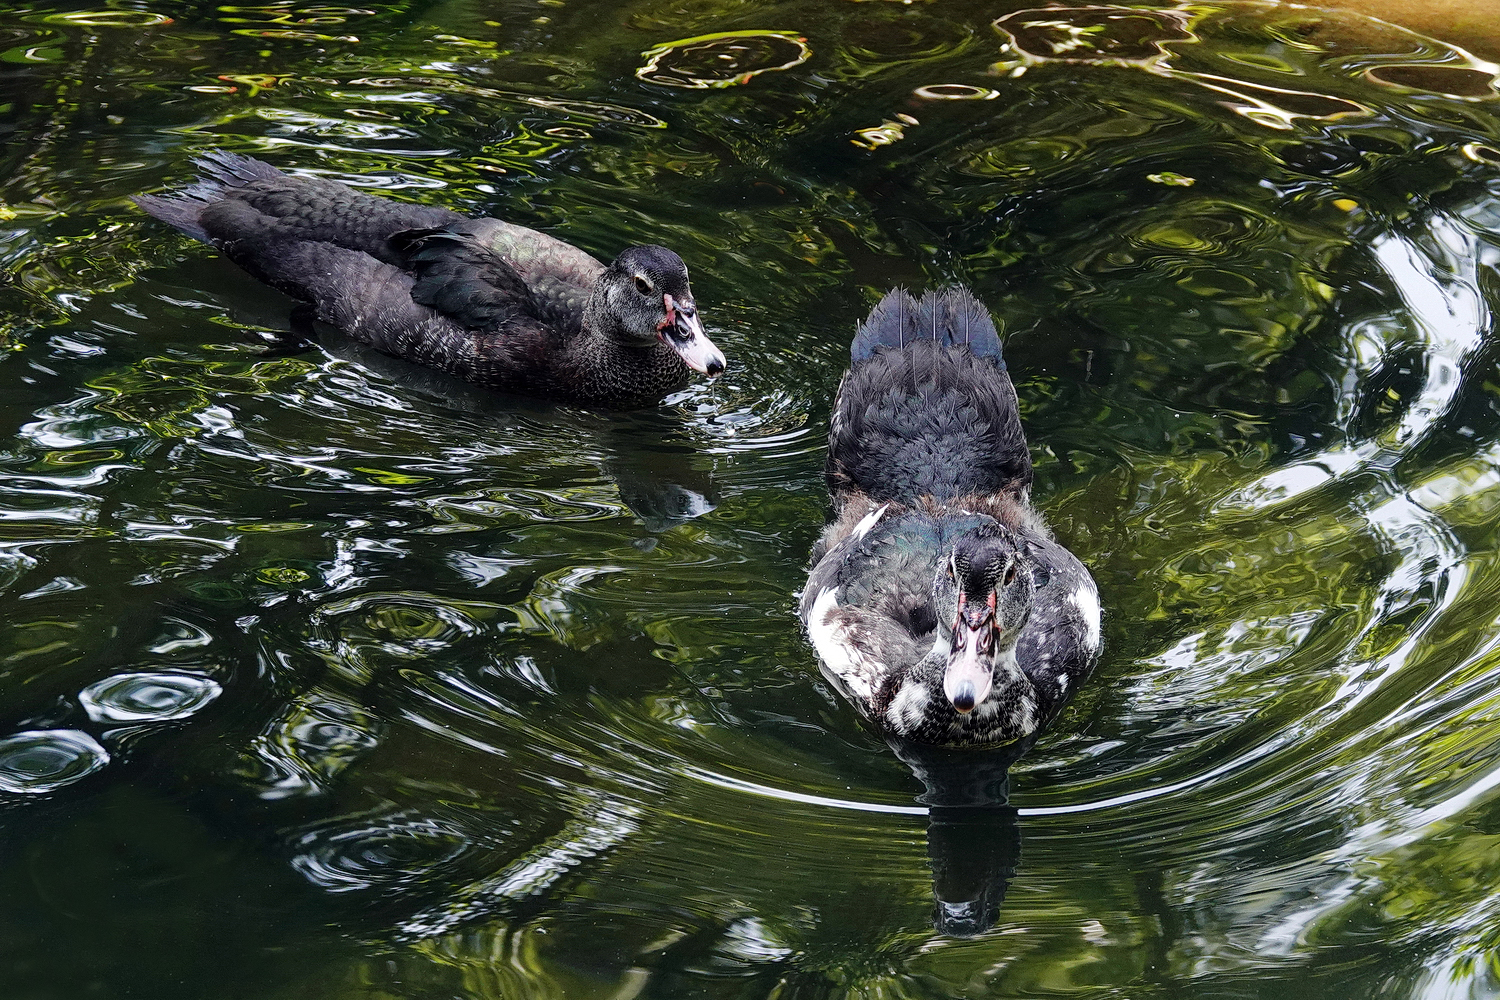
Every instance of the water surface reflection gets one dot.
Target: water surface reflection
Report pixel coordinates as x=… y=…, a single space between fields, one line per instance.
x=324 y=679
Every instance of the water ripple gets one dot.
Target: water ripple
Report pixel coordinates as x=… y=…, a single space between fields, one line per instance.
x=392 y=853
x=1435 y=273
x=724 y=59
x=520 y=699
x=158 y=696
x=44 y=760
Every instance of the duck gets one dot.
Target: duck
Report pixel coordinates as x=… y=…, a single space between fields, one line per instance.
x=938 y=601
x=496 y=304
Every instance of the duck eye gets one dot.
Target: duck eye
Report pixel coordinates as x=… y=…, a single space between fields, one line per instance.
x=1010 y=574
x=642 y=285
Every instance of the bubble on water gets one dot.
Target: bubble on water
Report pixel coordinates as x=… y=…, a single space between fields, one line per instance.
x=44 y=760
x=1480 y=153
x=1103 y=34
x=725 y=59
x=404 y=624
x=148 y=696
x=1106 y=35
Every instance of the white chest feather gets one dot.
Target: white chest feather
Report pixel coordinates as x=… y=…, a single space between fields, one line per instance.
x=841 y=656
x=1086 y=599
x=908 y=708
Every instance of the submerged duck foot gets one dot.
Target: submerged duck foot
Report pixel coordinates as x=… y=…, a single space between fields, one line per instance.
x=301 y=337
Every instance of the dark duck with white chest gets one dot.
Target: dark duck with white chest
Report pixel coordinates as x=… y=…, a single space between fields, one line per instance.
x=938 y=602
x=496 y=304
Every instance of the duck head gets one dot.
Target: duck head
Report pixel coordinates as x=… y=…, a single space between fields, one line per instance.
x=985 y=591
x=644 y=296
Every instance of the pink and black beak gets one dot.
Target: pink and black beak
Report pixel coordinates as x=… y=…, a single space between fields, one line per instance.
x=682 y=331
x=970 y=672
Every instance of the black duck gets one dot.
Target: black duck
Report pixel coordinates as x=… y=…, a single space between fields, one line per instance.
x=497 y=304
x=938 y=602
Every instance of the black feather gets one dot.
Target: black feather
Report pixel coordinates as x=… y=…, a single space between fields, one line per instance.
x=892 y=323
x=498 y=304
x=928 y=467
x=936 y=417
x=457 y=276
x=950 y=316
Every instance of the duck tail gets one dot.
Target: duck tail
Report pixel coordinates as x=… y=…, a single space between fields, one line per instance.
x=224 y=169
x=892 y=323
x=953 y=317
x=219 y=170
x=182 y=213
x=927 y=408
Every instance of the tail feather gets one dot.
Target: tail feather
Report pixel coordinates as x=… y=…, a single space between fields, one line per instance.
x=180 y=212
x=927 y=407
x=950 y=316
x=954 y=317
x=225 y=169
x=220 y=170
x=892 y=323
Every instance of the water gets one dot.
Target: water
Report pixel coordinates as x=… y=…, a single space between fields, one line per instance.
x=323 y=677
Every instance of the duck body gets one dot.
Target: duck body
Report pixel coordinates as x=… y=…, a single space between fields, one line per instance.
x=938 y=602
x=497 y=304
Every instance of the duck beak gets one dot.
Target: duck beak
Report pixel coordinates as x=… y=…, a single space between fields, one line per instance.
x=682 y=331
x=970 y=671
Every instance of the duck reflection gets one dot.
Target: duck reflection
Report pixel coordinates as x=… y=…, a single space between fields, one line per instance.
x=655 y=467
x=647 y=453
x=973 y=832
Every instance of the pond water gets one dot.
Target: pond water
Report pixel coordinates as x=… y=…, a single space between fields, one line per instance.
x=321 y=676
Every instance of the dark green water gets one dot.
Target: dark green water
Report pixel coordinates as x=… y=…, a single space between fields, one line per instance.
x=322 y=678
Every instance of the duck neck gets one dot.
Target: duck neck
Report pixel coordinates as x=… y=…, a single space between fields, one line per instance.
x=599 y=321
x=1011 y=710
x=620 y=369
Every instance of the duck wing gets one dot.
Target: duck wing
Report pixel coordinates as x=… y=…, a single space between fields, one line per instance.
x=535 y=256
x=377 y=303
x=1060 y=645
x=557 y=277
x=457 y=275
x=927 y=408
x=862 y=645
